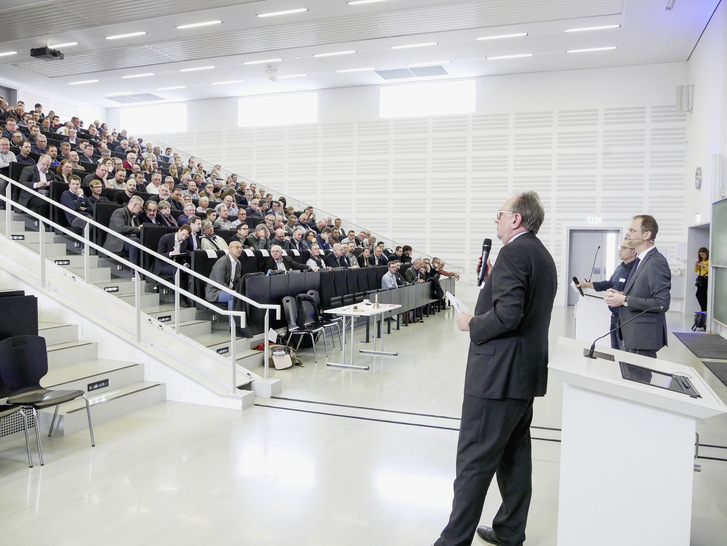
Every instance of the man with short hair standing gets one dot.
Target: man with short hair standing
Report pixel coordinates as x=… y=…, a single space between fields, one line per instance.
x=507 y=367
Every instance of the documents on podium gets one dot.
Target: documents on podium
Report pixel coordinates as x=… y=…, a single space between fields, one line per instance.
x=627 y=447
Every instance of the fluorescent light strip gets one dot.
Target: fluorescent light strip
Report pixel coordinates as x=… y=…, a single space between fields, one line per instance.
x=171 y=88
x=8 y=53
x=82 y=82
x=228 y=82
x=591 y=49
x=196 y=68
x=285 y=12
x=263 y=61
x=132 y=76
x=502 y=36
x=67 y=44
x=129 y=35
x=411 y=46
x=119 y=94
x=335 y=53
x=362 y=2
x=202 y=24
x=433 y=63
x=349 y=70
x=502 y=57
x=291 y=76
x=586 y=29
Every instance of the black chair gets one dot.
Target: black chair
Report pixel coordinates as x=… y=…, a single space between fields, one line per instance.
x=6 y=410
x=290 y=308
x=327 y=321
x=23 y=363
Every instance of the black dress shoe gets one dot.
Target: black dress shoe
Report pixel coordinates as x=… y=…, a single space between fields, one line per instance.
x=488 y=535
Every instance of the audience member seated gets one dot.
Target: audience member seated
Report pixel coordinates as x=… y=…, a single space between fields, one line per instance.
x=241 y=235
x=37 y=178
x=335 y=257
x=189 y=211
x=415 y=273
x=296 y=241
x=278 y=262
x=6 y=156
x=223 y=220
x=280 y=239
x=171 y=245
x=378 y=257
x=347 y=254
x=149 y=214
x=101 y=174
x=406 y=254
x=253 y=211
x=259 y=239
x=210 y=240
x=125 y=221
x=438 y=265
x=389 y=279
x=363 y=259
x=74 y=199
x=241 y=217
x=310 y=238
x=153 y=186
x=40 y=145
x=96 y=191
x=24 y=155
x=227 y=271
x=323 y=238
x=164 y=215
x=315 y=262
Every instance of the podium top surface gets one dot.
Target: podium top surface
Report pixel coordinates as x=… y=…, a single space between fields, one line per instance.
x=604 y=376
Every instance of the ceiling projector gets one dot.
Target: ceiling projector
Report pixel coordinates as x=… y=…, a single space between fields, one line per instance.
x=46 y=53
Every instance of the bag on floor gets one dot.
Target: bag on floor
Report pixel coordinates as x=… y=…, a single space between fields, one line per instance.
x=700 y=321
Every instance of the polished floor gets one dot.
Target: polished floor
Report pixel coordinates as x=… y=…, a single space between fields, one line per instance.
x=343 y=458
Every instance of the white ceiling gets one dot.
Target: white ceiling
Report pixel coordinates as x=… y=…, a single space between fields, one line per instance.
x=649 y=33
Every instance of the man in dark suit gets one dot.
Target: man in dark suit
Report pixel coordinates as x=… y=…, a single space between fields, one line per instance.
x=335 y=257
x=378 y=257
x=507 y=367
x=75 y=199
x=36 y=178
x=648 y=286
x=170 y=245
x=227 y=271
x=278 y=262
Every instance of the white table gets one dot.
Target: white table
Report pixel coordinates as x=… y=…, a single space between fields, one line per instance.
x=362 y=310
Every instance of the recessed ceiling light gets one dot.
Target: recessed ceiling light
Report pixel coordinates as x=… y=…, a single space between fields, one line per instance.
x=202 y=24
x=67 y=44
x=335 y=53
x=228 y=82
x=502 y=36
x=196 y=68
x=431 y=63
x=591 y=49
x=82 y=82
x=586 y=29
x=119 y=94
x=291 y=76
x=132 y=76
x=501 y=57
x=171 y=88
x=129 y=35
x=348 y=70
x=7 y=53
x=284 y=12
x=262 y=61
x=411 y=46
x=361 y=2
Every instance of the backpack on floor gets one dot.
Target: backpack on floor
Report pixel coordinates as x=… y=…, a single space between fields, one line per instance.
x=700 y=321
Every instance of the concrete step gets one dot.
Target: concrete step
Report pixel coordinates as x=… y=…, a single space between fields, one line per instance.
x=34 y=237
x=56 y=332
x=123 y=287
x=104 y=407
x=76 y=260
x=148 y=299
x=195 y=328
x=52 y=250
x=95 y=274
x=220 y=343
x=72 y=352
x=16 y=226
x=165 y=313
x=88 y=375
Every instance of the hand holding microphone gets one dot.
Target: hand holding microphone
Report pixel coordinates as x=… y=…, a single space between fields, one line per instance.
x=484 y=266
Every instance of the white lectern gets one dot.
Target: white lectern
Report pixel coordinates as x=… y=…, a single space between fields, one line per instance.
x=592 y=318
x=627 y=450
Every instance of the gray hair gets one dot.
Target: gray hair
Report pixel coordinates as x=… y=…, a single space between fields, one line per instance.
x=531 y=210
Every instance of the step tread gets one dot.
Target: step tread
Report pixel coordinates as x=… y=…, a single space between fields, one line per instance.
x=84 y=370
x=70 y=345
x=106 y=396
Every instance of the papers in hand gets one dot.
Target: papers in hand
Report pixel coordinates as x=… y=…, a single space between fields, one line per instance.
x=458 y=305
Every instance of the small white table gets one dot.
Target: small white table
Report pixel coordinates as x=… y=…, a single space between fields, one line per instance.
x=362 y=310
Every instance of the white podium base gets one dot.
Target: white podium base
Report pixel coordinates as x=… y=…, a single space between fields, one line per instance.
x=626 y=472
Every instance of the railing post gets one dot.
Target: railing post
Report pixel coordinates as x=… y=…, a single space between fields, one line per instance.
x=41 y=251
x=266 y=358
x=8 y=208
x=233 y=352
x=177 y=298
x=86 y=253
x=137 y=303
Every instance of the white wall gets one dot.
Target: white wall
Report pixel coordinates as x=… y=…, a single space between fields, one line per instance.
x=605 y=143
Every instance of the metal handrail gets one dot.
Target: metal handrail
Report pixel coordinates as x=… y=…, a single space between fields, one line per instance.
x=88 y=244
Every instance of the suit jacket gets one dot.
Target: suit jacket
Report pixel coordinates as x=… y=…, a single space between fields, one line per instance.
x=29 y=176
x=222 y=273
x=125 y=223
x=76 y=202
x=332 y=261
x=288 y=262
x=412 y=275
x=508 y=355
x=165 y=247
x=383 y=260
x=648 y=286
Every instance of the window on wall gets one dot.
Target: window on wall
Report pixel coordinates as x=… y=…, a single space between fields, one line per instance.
x=277 y=110
x=427 y=99
x=159 y=118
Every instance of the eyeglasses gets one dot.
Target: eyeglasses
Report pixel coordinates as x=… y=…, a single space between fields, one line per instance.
x=626 y=248
x=501 y=212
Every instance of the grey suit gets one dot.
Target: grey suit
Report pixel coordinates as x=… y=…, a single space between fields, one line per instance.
x=506 y=368
x=648 y=286
x=124 y=222
x=28 y=177
x=222 y=273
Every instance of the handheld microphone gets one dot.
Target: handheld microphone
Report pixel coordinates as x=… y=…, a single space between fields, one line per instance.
x=486 y=247
x=594 y=263
x=589 y=353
